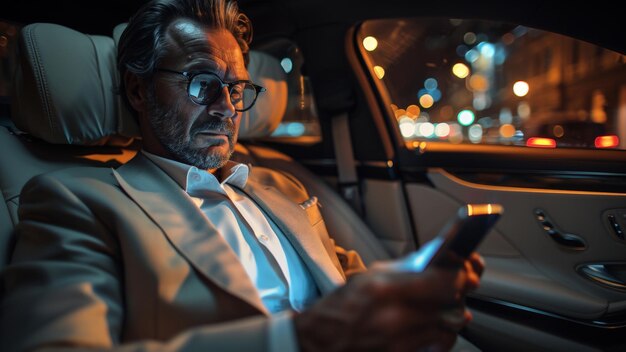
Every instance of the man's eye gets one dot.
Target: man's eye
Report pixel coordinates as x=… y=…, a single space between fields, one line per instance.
x=236 y=93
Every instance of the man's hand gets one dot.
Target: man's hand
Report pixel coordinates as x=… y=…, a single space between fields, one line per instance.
x=385 y=310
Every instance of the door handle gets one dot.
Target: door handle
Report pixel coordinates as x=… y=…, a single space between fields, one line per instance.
x=612 y=275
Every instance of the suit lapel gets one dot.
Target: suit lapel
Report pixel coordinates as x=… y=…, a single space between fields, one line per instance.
x=186 y=227
x=292 y=220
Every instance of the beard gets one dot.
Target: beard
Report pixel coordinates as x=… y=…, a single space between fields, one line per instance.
x=171 y=132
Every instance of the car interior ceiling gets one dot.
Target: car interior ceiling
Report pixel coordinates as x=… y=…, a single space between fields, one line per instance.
x=591 y=22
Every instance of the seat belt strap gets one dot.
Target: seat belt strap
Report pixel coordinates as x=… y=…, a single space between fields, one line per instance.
x=348 y=180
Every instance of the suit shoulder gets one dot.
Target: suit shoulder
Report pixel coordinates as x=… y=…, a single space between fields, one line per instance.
x=70 y=177
x=271 y=177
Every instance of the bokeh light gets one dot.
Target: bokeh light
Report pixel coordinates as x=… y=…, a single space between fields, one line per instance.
x=399 y=113
x=442 y=130
x=475 y=133
x=472 y=55
x=413 y=110
x=426 y=129
x=523 y=110
x=558 y=131
x=505 y=116
x=469 y=38
x=460 y=70
x=507 y=131
x=456 y=134
x=465 y=117
x=478 y=83
x=486 y=49
x=379 y=71
x=481 y=101
x=520 y=88
x=430 y=84
x=286 y=64
x=407 y=127
x=426 y=101
x=370 y=43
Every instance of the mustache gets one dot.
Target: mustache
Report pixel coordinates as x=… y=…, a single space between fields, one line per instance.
x=226 y=126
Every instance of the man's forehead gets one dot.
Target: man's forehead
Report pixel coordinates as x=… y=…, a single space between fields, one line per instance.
x=192 y=40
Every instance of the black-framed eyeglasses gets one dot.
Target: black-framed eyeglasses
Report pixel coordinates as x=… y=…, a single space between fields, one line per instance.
x=204 y=88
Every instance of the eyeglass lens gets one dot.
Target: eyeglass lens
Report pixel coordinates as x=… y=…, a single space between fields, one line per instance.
x=205 y=89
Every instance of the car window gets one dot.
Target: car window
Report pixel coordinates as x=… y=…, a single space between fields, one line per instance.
x=300 y=123
x=483 y=82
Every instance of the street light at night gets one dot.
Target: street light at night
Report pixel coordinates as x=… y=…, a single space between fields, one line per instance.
x=520 y=88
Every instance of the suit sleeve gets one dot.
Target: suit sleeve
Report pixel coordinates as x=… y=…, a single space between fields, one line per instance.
x=63 y=287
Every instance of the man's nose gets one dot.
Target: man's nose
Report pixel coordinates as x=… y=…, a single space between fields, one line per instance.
x=222 y=107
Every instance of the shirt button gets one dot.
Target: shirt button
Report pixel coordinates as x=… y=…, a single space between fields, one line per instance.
x=264 y=238
x=195 y=177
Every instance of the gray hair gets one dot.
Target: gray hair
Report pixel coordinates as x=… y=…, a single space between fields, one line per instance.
x=142 y=43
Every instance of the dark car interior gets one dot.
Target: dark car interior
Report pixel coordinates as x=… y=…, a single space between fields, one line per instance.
x=377 y=197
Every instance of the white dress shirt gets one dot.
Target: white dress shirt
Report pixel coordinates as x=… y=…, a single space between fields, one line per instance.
x=273 y=265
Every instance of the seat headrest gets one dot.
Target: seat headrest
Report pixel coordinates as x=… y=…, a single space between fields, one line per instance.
x=65 y=88
x=265 y=116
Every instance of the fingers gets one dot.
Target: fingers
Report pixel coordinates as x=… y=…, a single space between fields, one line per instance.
x=435 y=285
x=472 y=278
x=477 y=262
x=389 y=311
x=473 y=267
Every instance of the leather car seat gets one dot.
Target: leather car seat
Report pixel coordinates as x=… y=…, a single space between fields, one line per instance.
x=66 y=112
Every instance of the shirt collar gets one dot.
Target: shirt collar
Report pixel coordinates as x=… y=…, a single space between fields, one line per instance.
x=233 y=173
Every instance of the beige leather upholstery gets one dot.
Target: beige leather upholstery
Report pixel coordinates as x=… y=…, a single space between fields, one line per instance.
x=266 y=114
x=66 y=112
x=65 y=88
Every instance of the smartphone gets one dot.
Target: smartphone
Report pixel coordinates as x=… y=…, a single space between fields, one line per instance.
x=461 y=236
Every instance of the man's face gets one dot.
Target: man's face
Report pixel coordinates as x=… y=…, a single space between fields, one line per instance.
x=199 y=135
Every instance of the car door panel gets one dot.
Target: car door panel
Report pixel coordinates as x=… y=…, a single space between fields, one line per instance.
x=525 y=265
x=518 y=337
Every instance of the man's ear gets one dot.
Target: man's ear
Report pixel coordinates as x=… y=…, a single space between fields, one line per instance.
x=135 y=91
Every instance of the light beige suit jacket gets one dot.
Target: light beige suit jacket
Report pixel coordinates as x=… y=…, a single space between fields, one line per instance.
x=108 y=258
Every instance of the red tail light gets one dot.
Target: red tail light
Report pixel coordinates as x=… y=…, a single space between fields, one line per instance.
x=607 y=141
x=538 y=142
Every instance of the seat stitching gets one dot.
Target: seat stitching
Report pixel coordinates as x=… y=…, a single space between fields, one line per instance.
x=104 y=124
x=39 y=72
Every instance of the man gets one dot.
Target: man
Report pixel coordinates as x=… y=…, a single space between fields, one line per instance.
x=182 y=249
